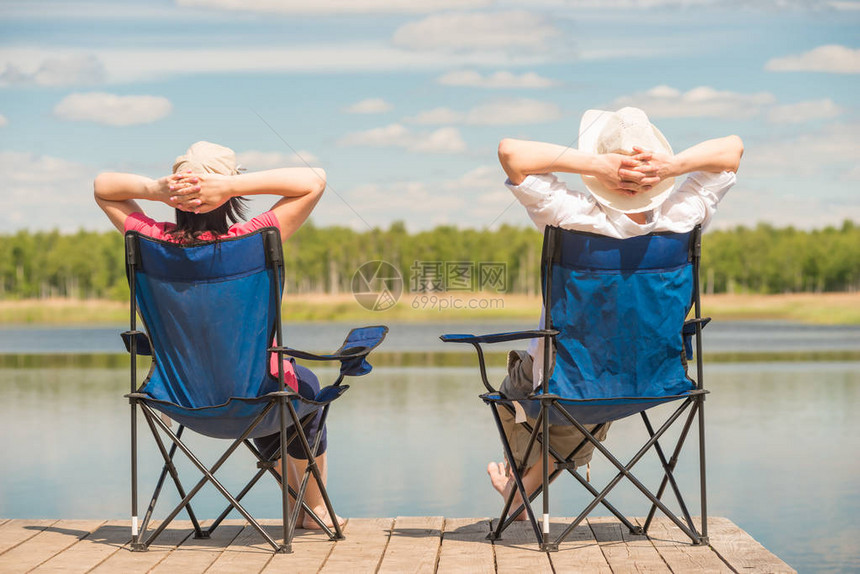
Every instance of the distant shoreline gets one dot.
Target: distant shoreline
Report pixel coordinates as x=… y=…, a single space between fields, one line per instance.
x=821 y=309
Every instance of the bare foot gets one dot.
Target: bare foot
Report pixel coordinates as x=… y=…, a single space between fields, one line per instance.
x=309 y=523
x=498 y=476
x=503 y=485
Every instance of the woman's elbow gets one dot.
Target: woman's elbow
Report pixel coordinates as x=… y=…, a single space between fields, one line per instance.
x=100 y=183
x=320 y=181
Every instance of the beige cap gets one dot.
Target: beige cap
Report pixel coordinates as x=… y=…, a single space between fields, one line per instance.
x=207 y=157
x=617 y=132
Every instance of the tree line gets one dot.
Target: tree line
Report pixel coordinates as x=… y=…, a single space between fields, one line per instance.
x=763 y=259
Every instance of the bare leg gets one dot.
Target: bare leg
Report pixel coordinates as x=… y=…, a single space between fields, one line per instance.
x=503 y=483
x=313 y=497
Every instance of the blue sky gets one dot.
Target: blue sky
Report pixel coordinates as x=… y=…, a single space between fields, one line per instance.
x=403 y=102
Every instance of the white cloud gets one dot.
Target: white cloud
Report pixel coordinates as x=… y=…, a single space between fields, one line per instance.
x=802 y=112
x=814 y=5
x=254 y=160
x=833 y=59
x=501 y=79
x=45 y=192
x=3 y=121
x=509 y=112
x=437 y=116
x=497 y=113
x=335 y=6
x=844 y=5
x=459 y=32
x=369 y=106
x=77 y=69
x=704 y=101
x=133 y=65
x=112 y=110
x=443 y=140
x=836 y=146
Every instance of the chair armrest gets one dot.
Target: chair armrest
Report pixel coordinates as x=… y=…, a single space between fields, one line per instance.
x=357 y=345
x=498 y=337
x=476 y=340
x=689 y=330
x=142 y=345
x=690 y=325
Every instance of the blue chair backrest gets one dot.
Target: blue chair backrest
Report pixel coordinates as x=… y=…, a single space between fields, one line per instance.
x=620 y=306
x=210 y=311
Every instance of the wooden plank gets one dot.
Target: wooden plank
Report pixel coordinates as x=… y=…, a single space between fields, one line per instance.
x=518 y=550
x=625 y=552
x=413 y=546
x=740 y=550
x=465 y=547
x=311 y=548
x=249 y=551
x=46 y=544
x=362 y=551
x=196 y=555
x=679 y=553
x=91 y=551
x=124 y=560
x=579 y=552
x=16 y=531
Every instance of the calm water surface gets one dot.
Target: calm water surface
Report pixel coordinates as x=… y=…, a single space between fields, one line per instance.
x=783 y=445
x=721 y=337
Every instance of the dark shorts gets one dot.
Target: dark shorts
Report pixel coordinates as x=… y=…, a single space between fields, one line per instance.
x=309 y=386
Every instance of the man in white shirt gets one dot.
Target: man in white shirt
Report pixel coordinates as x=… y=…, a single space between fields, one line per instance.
x=629 y=171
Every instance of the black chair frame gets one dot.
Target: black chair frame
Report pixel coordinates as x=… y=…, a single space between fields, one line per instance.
x=291 y=430
x=694 y=401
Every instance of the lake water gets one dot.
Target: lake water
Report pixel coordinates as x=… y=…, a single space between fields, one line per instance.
x=783 y=439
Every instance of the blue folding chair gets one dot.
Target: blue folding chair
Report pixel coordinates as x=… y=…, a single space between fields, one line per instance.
x=211 y=312
x=615 y=316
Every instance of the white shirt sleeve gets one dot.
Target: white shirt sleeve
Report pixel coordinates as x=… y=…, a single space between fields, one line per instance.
x=695 y=200
x=548 y=201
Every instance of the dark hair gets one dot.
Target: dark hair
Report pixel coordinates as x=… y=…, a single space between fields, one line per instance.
x=190 y=226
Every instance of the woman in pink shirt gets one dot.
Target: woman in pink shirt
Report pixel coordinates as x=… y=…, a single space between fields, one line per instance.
x=206 y=190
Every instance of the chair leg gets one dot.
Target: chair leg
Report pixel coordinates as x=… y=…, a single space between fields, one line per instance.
x=703 y=539
x=313 y=468
x=288 y=524
x=669 y=467
x=517 y=479
x=208 y=475
x=136 y=545
x=168 y=467
x=562 y=463
x=624 y=471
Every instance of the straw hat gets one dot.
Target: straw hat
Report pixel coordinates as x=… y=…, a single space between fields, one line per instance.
x=207 y=157
x=617 y=132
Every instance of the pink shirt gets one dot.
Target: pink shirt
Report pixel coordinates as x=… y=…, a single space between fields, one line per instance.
x=160 y=230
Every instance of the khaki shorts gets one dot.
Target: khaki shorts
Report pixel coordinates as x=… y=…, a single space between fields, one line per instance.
x=563 y=438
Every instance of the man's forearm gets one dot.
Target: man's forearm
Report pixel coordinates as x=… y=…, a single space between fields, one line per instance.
x=521 y=158
x=716 y=155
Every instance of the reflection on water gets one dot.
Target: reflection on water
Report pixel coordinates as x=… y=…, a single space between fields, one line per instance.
x=782 y=451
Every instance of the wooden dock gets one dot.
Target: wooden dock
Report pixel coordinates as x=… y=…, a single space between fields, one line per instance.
x=379 y=545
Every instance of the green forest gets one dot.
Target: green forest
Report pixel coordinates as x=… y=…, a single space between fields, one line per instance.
x=764 y=260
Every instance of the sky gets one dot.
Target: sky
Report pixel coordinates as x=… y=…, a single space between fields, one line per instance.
x=403 y=102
